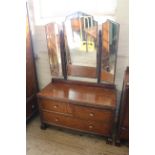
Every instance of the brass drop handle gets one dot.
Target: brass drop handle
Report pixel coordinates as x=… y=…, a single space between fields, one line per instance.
x=91 y=114
x=90 y=126
x=56 y=119
x=55 y=106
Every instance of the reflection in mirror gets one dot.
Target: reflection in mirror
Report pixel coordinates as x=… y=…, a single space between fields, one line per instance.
x=52 y=35
x=110 y=33
x=80 y=32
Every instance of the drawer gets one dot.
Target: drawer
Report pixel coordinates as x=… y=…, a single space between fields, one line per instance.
x=51 y=105
x=74 y=123
x=94 y=114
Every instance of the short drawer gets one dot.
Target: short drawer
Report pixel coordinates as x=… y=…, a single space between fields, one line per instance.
x=94 y=114
x=70 y=122
x=51 y=105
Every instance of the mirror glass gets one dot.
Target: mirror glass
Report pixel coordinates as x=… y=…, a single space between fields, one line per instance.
x=110 y=34
x=53 y=45
x=80 y=33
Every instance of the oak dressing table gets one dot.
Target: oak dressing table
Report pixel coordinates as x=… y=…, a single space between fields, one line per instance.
x=80 y=50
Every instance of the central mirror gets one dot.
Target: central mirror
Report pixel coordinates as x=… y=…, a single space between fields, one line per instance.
x=80 y=33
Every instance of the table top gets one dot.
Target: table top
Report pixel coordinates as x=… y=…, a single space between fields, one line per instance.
x=80 y=94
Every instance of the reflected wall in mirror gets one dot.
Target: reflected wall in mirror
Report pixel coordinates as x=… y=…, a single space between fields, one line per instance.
x=110 y=34
x=80 y=32
x=52 y=35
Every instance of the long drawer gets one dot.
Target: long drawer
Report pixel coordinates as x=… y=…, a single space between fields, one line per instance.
x=74 y=123
x=93 y=114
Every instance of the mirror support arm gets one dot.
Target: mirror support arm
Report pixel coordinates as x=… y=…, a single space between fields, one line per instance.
x=63 y=55
x=99 y=53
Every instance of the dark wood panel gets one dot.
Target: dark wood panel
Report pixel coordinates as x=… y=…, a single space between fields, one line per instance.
x=30 y=69
x=63 y=53
x=31 y=79
x=124 y=133
x=123 y=118
x=88 y=126
x=84 y=83
x=31 y=106
x=99 y=54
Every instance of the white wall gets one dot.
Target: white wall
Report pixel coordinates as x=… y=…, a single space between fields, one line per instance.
x=41 y=52
x=40 y=49
x=122 y=17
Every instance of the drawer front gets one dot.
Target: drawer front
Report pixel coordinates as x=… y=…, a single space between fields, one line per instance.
x=51 y=105
x=66 y=121
x=93 y=114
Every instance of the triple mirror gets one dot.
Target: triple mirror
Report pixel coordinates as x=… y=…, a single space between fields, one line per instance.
x=83 y=49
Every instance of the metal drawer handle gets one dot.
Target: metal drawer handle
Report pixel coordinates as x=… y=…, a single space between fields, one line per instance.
x=90 y=126
x=56 y=119
x=91 y=114
x=55 y=106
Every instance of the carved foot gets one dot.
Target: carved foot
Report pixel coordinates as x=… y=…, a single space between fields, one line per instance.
x=43 y=126
x=109 y=140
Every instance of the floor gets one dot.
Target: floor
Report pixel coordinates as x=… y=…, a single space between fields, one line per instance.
x=54 y=141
